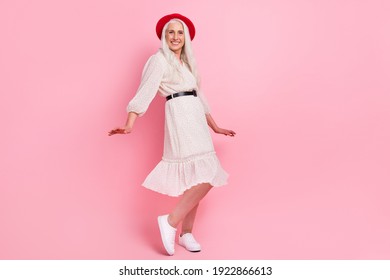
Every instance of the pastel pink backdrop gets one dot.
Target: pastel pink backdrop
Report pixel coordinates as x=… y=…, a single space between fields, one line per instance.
x=305 y=84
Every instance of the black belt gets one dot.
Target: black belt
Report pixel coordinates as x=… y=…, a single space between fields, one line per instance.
x=185 y=93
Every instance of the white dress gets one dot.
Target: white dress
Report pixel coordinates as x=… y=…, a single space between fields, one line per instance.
x=189 y=157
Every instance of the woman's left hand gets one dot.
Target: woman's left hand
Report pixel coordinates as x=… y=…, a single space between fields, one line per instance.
x=226 y=132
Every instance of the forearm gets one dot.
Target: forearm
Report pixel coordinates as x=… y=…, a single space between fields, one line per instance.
x=212 y=124
x=131 y=117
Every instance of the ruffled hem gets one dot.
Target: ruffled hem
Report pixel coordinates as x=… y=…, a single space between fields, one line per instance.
x=174 y=177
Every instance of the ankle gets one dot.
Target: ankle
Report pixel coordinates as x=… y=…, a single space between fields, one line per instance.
x=171 y=221
x=185 y=232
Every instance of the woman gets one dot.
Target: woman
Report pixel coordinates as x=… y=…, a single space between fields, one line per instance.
x=189 y=166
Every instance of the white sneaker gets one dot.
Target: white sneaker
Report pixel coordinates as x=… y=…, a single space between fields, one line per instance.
x=168 y=234
x=188 y=241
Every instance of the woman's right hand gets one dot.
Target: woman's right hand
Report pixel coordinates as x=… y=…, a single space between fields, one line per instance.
x=128 y=127
x=119 y=130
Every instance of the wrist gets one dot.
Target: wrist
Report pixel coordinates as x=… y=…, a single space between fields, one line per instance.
x=128 y=127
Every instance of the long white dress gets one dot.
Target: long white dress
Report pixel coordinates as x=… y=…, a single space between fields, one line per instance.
x=189 y=157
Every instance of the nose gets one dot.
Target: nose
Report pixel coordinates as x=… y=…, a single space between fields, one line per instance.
x=175 y=36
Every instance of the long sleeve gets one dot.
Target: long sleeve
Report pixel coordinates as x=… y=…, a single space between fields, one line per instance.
x=205 y=104
x=151 y=79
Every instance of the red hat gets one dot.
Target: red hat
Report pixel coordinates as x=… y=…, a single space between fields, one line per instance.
x=161 y=23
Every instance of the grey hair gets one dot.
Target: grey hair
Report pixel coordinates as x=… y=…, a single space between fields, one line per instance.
x=187 y=54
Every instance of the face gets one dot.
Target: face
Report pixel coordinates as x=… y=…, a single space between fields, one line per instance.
x=174 y=36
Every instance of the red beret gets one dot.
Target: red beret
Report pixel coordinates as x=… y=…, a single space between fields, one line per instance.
x=161 y=23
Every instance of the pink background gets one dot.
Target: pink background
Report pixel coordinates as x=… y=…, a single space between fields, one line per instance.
x=305 y=84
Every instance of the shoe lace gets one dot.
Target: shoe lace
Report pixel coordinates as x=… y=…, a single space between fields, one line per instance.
x=171 y=237
x=190 y=238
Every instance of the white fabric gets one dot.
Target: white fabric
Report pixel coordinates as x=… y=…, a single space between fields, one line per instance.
x=188 y=241
x=155 y=78
x=168 y=234
x=189 y=157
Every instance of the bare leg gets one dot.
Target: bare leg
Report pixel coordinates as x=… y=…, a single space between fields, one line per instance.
x=189 y=201
x=188 y=221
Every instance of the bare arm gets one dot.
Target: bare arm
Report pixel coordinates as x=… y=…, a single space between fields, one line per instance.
x=128 y=127
x=216 y=128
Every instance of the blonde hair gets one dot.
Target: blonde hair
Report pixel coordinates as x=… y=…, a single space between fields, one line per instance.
x=187 y=54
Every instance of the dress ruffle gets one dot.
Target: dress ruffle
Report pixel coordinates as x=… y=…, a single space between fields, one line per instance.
x=173 y=177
